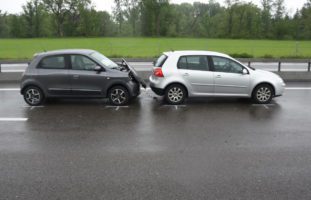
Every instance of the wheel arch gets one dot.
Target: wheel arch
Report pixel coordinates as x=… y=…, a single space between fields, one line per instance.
x=125 y=100
x=178 y=83
x=31 y=84
x=264 y=83
x=114 y=85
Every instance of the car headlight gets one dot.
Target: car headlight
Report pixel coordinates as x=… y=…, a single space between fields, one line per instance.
x=280 y=79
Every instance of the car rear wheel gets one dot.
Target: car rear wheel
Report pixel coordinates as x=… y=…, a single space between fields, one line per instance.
x=175 y=94
x=33 y=96
x=118 y=95
x=263 y=94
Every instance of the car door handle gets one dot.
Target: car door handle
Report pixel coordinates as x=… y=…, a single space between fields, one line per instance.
x=218 y=76
x=76 y=76
x=186 y=74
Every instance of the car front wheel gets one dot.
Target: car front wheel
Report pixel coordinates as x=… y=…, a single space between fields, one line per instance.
x=175 y=94
x=118 y=95
x=33 y=96
x=263 y=94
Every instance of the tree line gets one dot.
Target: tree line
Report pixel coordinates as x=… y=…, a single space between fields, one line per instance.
x=158 y=18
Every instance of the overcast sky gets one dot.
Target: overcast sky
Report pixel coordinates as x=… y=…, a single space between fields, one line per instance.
x=15 y=6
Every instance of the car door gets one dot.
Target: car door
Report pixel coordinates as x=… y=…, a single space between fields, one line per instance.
x=229 y=78
x=53 y=75
x=85 y=81
x=195 y=70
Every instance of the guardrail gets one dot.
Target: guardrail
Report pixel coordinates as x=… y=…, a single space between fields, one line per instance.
x=278 y=61
x=249 y=62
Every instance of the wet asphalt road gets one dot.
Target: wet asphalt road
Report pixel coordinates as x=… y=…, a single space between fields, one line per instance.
x=206 y=149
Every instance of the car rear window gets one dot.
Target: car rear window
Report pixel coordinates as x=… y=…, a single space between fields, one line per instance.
x=160 y=61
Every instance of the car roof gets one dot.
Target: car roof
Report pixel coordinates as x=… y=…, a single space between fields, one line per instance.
x=66 y=51
x=191 y=52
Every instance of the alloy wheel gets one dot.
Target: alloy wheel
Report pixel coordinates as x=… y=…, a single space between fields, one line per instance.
x=175 y=94
x=263 y=94
x=33 y=96
x=118 y=96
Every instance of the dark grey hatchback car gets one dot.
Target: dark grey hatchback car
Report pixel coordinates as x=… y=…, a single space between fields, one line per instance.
x=79 y=74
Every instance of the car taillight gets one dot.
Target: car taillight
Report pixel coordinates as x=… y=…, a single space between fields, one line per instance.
x=158 y=72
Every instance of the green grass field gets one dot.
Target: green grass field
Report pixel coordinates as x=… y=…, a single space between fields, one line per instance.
x=151 y=47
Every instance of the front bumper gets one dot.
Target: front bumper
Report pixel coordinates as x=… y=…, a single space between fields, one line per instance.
x=279 y=89
x=134 y=88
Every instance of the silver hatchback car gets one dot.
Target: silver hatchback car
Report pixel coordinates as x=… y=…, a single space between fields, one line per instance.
x=181 y=74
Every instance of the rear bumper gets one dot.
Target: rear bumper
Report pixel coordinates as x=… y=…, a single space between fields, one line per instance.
x=156 y=85
x=158 y=91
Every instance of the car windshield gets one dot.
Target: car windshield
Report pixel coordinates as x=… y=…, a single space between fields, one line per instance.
x=104 y=60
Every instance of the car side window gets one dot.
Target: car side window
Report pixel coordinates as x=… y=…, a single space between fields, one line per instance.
x=199 y=63
x=53 y=62
x=226 y=65
x=182 y=63
x=79 y=62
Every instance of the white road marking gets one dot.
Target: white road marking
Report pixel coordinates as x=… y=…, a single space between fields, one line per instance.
x=32 y=107
x=266 y=107
x=12 y=70
x=271 y=104
x=13 y=119
x=298 y=88
x=9 y=89
x=14 y=65
x=175 y=105
x=116 y=107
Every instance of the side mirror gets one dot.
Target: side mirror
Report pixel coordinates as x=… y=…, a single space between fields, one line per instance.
x=98 y=69
x=245 y=71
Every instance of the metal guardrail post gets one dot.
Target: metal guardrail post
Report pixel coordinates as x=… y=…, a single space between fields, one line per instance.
x=249 y=63
x=0 y=67
x=279 y=66
x=309 y=66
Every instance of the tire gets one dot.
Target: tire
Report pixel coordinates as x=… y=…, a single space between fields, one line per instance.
x=33 y=96
x=118 y=95
x=175 y=94
x=263 y=94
